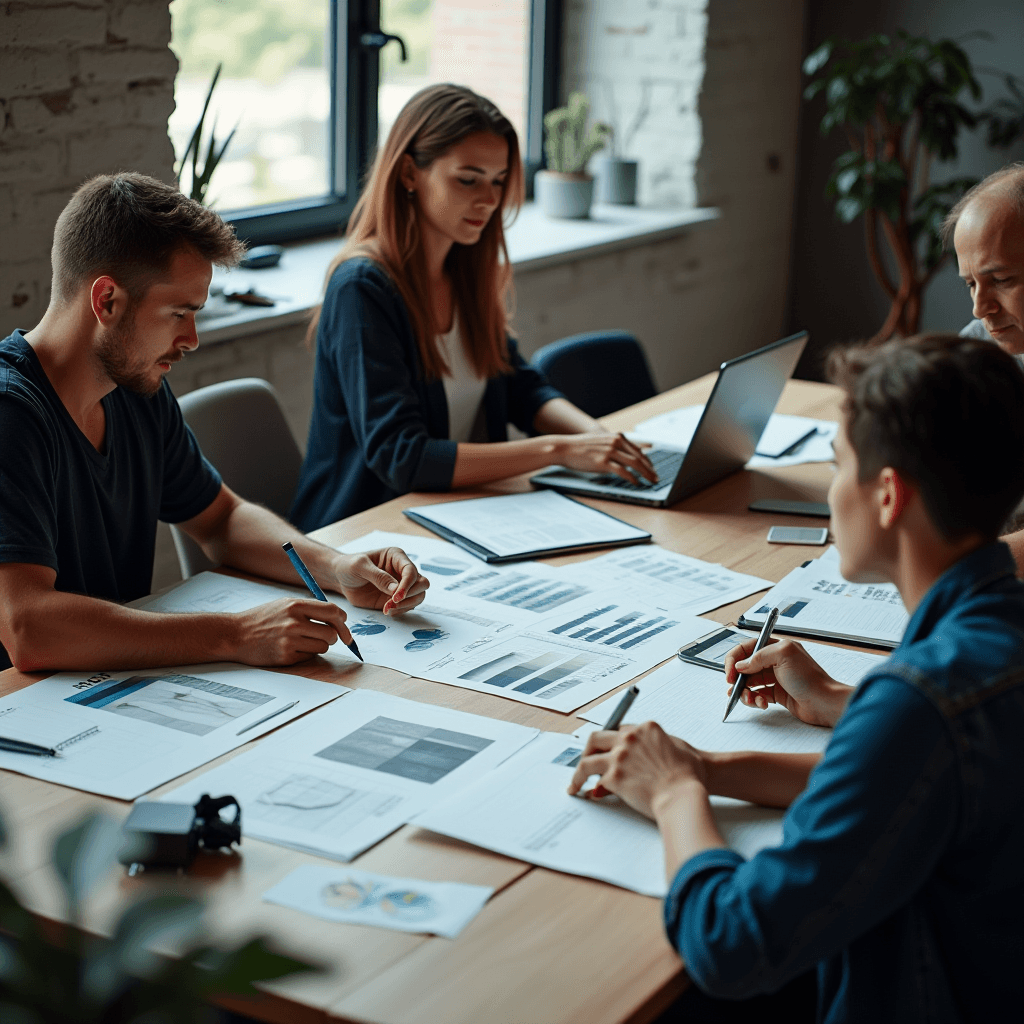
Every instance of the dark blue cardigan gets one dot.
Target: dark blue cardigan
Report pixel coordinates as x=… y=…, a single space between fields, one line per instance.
x=379 y=427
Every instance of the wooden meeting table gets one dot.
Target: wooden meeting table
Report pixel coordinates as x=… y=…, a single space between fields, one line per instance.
x=547 y=947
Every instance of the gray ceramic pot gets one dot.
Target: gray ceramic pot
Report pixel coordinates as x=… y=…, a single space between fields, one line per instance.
x=616 y=181
x=565 y=196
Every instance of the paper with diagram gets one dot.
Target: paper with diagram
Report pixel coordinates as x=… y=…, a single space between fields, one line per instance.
x=342 y=780
x=350 y=896
x=688 y=701
x=522 y=810
x=675 y=429
x=815 y=600
x=121 y=734
x=678 y=581
x=561 y=659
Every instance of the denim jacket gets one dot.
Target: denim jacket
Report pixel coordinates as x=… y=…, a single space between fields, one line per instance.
x=379 y=428
x=901 y=871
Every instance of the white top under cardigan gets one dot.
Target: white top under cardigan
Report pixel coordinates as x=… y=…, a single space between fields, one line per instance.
x=463 y=389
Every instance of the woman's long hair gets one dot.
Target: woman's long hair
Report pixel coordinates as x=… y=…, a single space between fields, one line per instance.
x=383 y=227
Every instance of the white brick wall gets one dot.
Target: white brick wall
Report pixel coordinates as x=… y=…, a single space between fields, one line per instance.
x=85 y=88
x=629 y=54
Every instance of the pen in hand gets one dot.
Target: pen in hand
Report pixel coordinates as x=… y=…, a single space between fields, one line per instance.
x=763 y=637
x=612 y=725
x=314 y=587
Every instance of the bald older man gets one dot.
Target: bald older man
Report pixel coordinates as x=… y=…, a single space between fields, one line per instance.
x=987 y=231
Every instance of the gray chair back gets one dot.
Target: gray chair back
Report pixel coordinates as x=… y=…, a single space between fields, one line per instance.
x=241 y=429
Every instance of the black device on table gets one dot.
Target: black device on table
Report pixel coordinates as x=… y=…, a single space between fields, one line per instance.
x=742 y=401
x=780 y=506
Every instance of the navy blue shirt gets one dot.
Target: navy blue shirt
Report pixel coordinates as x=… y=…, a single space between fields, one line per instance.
x=379 y=427
x=91 y=515
x=900 y=871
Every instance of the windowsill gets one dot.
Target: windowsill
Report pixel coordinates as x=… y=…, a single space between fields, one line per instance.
x=534 y=241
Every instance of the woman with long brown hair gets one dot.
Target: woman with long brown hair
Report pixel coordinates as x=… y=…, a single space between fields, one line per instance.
x=416 y=374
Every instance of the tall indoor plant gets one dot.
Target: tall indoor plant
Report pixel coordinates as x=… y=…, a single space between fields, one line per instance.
x=900 y=104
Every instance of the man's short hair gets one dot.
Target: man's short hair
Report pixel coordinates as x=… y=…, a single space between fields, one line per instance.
x=947 y=413
x=130 y=226
x=1008 y=181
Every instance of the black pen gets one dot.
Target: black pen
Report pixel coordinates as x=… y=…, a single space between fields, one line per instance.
x=314 y=587
x=23 y=747
x=763 y=638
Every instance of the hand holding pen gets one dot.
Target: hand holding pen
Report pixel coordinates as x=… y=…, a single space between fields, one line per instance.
x=743 y=681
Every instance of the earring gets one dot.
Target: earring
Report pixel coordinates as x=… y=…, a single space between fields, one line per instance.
x=410 y=192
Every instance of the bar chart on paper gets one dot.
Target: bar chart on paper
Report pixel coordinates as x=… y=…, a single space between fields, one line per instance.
x=569 y=658
x=519 y=589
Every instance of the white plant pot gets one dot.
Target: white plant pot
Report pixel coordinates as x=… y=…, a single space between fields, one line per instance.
x=564 y=196
x=616 y=181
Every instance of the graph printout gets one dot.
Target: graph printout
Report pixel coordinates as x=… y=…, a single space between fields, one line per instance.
x=335 y=783
x=667 y=578
x=522 y=810
x=121 y=734
x=569 y=658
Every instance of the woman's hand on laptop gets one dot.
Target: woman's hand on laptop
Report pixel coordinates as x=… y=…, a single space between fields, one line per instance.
x=784 y=673
x=603 y=453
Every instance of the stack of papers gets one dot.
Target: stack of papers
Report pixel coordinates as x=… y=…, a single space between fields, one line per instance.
x=815 y=600
x=339 y=781
x=780 y=444
x=157 y=723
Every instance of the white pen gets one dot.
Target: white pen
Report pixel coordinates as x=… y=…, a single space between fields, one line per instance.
x=267 y=718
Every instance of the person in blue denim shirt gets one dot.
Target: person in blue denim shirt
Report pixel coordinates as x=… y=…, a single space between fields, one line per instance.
x=898 y=879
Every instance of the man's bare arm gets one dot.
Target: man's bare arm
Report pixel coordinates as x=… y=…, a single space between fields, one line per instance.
x=44 y=629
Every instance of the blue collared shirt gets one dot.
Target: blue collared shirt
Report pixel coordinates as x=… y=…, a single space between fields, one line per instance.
x=901 y=871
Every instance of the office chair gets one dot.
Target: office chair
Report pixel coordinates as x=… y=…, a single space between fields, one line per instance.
x=241 y=429
x=600 y=371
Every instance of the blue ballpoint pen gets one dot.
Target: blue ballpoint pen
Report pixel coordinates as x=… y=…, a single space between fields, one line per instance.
x=314 y=587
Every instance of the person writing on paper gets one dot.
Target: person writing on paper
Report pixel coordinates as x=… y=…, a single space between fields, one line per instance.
x=986 y=228
x=898 y=879
x=416 y=373
x=95 y=451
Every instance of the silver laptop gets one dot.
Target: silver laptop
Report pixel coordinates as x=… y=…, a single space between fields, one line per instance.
x=742 y=401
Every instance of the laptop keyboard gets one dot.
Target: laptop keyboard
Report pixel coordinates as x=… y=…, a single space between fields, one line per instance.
x=666 y=464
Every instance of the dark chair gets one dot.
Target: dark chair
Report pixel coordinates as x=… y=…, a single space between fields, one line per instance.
x=600 y=371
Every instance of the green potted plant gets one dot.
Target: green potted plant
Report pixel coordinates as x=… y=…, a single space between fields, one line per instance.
x=62 y=975
x=200 y=176
x=899 y=102
x=565 y=189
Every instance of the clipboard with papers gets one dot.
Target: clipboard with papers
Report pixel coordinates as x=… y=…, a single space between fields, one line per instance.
x=815 y=601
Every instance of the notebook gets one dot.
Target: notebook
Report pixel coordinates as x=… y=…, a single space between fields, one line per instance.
x=513 y=527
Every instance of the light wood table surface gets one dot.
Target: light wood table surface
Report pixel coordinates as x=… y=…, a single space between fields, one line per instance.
x=548 y=948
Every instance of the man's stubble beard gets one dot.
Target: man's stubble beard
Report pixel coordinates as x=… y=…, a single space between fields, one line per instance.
x=114 y=353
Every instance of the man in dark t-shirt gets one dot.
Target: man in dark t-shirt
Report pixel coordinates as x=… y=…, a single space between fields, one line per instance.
x=94 y=451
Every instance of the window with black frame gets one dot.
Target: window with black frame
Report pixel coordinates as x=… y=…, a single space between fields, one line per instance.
x=306 y=87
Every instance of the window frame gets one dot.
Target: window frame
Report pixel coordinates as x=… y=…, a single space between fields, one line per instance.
x=353 y=139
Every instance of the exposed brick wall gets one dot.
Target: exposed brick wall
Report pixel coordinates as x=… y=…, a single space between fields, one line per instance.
x=85 y=88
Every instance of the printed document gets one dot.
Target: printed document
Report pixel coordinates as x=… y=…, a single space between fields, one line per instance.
x=522 y=810
x=675 y=429
x=815 y=600
x=515 y=524
x=339 y=781
x=561 y=656
x=380 y=901
x=121 y=734
x=668 y=578
x=689 y=701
